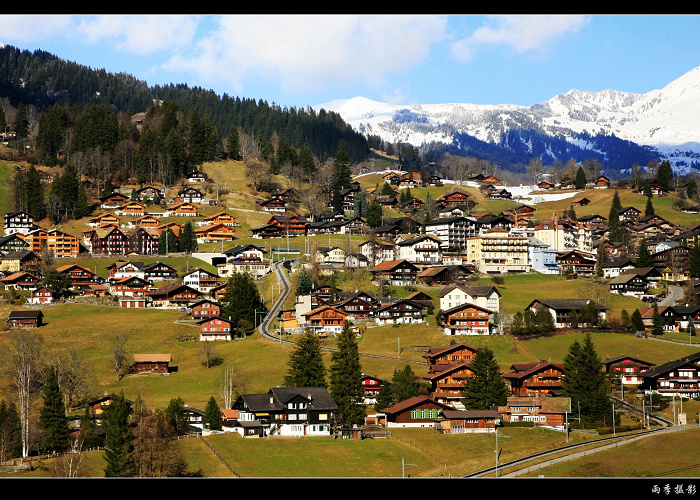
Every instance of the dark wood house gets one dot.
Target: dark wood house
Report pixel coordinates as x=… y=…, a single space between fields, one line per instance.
x=151 y=363
x=25 y=319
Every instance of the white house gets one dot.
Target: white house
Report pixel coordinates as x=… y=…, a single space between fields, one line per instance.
x=420 y=249
x=485 y=296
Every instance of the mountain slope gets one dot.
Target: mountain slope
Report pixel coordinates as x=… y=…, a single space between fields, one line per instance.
x=619 y=127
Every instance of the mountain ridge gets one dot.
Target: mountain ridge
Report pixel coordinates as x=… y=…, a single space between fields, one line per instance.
x=662 y=122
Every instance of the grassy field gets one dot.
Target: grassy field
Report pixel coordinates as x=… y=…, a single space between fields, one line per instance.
x=260 y=364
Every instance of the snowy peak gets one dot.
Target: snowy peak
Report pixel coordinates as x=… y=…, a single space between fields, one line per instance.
x=665 y=119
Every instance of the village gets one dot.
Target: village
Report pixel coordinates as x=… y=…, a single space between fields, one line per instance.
x=446 y=254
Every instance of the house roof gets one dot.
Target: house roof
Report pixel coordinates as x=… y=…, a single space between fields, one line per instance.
x=567 y=304
x=473 y=290
x=413 y=402
x=153 y=358
x=22 y=314
x=672 y=365
x=277 y=398
x=389 y=265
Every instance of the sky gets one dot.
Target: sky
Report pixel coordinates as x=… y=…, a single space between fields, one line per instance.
x=307 y=60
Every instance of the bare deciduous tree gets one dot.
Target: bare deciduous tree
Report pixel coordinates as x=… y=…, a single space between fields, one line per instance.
x=68 y=464
x=119 y=353
x=230 y=386
x=24 y=364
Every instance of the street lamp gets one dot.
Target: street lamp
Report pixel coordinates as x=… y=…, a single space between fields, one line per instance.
x=403 y=467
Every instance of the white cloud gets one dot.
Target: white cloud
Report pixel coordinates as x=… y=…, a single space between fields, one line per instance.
x=523 y=33
x=17 y=29
x=139 y=34
x=307 y=52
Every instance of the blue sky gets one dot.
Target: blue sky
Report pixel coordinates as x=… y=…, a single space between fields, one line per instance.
x=305 y=60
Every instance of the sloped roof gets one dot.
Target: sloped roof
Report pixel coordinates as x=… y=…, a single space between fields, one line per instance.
x=153 y=358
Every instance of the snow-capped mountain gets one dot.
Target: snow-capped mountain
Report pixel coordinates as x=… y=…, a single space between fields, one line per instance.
x=620 y=127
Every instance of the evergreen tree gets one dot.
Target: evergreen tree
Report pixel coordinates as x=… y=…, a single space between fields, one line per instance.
x=212 y=415
x=637 y=321
x=241 y=301
x=664 y=176
x=649 y=209
x=21 y=122
x=233 y=144
x=385 y=397
x=404 y=385
x=694 y=262
x=188 y=240
x=580 y=182
x=374 y=214
x=118 y=439
x=175 y=416
x=306 y=159
x=691 y=190
x=625 y=320
x=657 y=322
x=33 y=194
x=305 y=366
x=10 y=431
x=487 y=388
x=342 y=177
x=53 y=415
x=167 y=242
x=304 y=285
x=346 y=379
x=644 y=258
x=584 y=382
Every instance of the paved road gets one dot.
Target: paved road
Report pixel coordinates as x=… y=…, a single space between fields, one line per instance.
x=674 y=296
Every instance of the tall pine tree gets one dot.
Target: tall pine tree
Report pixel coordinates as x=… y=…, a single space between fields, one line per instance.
x=346 y=379
x=584 y=382
x=487 y=388
x=118 y=439
x=241 y=302
x=305 y=366
x=53 y=415
x=212 y=415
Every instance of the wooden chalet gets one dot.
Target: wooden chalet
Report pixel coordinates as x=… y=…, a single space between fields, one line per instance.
x=20 y=281
x=201 y=280
x=144 y=241
x=205 y=309
x=680 y=377
x=176 y=295
x=104 y=220
x=21 y=260
x=467 y=319
x=455 y=198
x=113 y=200
x=182 y=209
x=467 y=421
x=454 y=353
x=130 y=286
x=219 y=218
x=560 y=309
x=98 y=406
x=19 y=222
x=415 y=412
x=629 y=369
x=535 y=379
x=43 y=295
x=217 y=232
x=551 y=412
x=25 y=319
x=78 y=274
x=396 y=272
x=159 y=271
x=286 y=411
x=151 y=363
x=324 y=320
x=147 y=220
x=579 y=262
x=12 y=243
x=580 y=202
x=197 y=176
x=189 y=195
x=131 y=208
x=402 y=311
x=150 y=193
x=215 y=328
x=545 y=186
x=629 y=213
x=357 y=305
x=447 y=382
x=628 y=284
x=273 y=204
x=602 y=182
x=109 y=240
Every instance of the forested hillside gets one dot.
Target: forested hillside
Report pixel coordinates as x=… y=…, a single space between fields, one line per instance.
x=37 y=81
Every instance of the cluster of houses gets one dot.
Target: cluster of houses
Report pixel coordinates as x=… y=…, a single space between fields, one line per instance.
x=535 y=395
